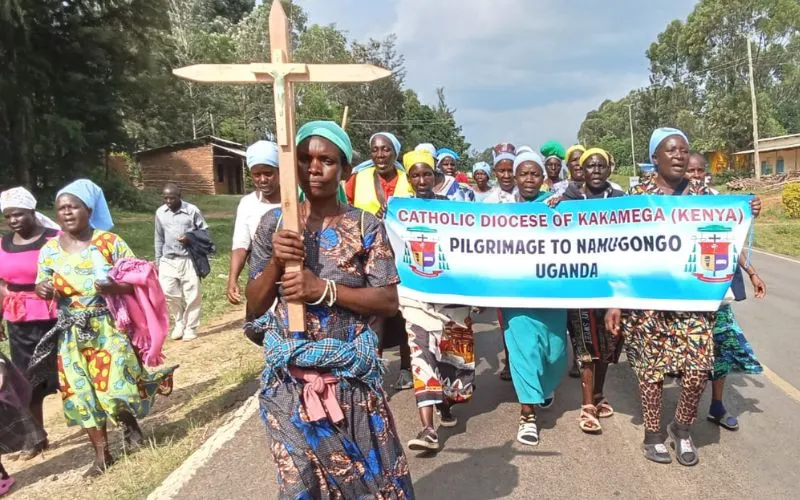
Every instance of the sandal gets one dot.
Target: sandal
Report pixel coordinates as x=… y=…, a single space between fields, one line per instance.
x=657 y=453
x=685 y=451
x=588 y=421
x=604 y=409
x=726 y=421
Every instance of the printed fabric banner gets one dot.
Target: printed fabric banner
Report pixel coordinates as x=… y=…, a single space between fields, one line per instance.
x=635 y=252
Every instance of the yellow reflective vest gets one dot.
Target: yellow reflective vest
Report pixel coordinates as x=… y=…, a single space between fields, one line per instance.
x=365 y=197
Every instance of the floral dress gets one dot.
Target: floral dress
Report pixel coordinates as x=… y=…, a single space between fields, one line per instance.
x=98 y=368
x=359 y=455
x=659 y=342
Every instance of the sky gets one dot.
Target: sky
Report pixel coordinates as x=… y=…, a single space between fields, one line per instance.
x=519 y=71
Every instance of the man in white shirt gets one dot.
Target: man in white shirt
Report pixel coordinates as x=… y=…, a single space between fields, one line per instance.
x=262 y=160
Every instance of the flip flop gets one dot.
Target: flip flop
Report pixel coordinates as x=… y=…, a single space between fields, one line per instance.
x=726 y=421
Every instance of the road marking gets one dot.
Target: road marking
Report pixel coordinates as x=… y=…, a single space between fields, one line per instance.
x=782 y=384
x=777 y=256
x=172 y=485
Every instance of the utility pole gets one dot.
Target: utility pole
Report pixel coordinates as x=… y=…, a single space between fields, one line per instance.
x=633 y=150
x=756 y=155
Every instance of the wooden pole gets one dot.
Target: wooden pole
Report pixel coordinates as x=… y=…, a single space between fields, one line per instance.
x=756 y=153
x=344 y=117
x=633 y=151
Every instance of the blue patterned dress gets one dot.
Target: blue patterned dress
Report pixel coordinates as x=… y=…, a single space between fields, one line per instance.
x=361 y=457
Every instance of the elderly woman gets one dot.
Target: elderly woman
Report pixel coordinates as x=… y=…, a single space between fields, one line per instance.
x=573 y=159
x=262 y=160
x=659 y=342
x=505 y=191
x=27 y=317
x=440 y=337
x=374 y=182
x=100 y=374
x=534 y=338
x=328 y=419
x=554 y=155
x=446 y=160
x=481 y=174
x=446 y=183
x=594 y=346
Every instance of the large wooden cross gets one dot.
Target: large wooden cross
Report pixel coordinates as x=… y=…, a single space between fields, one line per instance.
x=283 y=74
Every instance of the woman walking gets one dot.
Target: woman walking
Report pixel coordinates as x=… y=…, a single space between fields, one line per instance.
x=100 y=374
x=481 y=174
x=331 y=432
x=262 y=161
x=732 y=351
x=658 y=342
x=534 y=338
x=27 y=317
x=440 y=337
x=594 y=346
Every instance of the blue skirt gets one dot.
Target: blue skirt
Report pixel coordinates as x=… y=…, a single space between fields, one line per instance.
x=537 y=349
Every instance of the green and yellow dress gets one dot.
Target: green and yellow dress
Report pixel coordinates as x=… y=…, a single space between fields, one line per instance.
x=99 y=371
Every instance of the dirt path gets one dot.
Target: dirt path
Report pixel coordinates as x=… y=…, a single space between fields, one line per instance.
x=217 y=371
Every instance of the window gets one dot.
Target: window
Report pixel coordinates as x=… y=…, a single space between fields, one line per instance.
x=765 y=168
x=779 y=166
x=220 y=173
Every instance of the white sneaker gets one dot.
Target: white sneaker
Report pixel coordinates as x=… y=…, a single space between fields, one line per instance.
x=177 y=333
x=189 y=335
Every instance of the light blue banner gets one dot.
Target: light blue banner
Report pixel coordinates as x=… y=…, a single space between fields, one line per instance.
x=634 y=252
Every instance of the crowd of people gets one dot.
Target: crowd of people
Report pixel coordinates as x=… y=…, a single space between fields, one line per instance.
x=72 y=291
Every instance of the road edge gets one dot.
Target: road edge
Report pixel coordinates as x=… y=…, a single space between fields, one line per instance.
x=173 y=484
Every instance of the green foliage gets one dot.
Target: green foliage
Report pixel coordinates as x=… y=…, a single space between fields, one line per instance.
x=791 y=200
x=122 y=195
x=87 y=76
x=700 y=82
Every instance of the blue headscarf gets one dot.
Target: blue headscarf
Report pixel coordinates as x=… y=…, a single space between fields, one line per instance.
x=328 y=130
x=395 y=144
x=482 y=166
x=660 y=134
x=262 y=153
x=92 y=196
x=392 y=138
x=443 y=153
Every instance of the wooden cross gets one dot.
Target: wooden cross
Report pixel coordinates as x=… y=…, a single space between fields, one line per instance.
x=283 y=74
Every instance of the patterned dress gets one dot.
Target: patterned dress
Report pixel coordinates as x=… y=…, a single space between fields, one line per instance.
x=657 y=342
x=360 y=456
x=587 y=328
x=98 y=368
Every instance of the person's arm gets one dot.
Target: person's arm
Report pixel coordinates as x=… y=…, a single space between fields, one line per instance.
x=378 y=298
x=159 y=240
x=238 y=259
x=199 y=220
x=759 y=285
x=265 y=271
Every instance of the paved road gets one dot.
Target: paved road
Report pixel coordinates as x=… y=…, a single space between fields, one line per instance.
x=481 y=460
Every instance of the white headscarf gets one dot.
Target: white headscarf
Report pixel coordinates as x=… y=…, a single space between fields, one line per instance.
x=19 y=197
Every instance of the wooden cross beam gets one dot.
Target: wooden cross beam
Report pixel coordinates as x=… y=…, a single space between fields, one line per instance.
x=283 y=74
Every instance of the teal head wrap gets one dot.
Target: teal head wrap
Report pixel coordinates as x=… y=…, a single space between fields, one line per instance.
x=329 y=130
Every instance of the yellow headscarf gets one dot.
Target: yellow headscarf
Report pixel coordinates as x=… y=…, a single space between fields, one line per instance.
x=420 y=156
x=593 y=151
x=572 y=149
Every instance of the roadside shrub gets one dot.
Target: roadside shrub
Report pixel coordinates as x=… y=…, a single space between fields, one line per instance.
x=627 y=170
x=791 y=200
x=122 y=195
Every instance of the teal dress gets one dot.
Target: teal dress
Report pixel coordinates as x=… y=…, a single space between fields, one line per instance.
x=537 y=346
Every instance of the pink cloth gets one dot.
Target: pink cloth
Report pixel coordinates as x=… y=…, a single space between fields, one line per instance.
x=27 y=306
x=319 y=394
x=143 y=314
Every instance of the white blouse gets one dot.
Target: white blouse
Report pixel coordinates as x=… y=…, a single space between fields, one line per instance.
x=248 y=216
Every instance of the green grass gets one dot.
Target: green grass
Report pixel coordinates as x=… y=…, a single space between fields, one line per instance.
x=137 y=230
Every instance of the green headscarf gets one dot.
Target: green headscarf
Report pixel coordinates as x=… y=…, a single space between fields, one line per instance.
x=553 y=148
x=329 y=130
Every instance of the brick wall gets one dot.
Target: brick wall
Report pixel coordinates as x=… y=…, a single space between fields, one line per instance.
x=192 y=169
